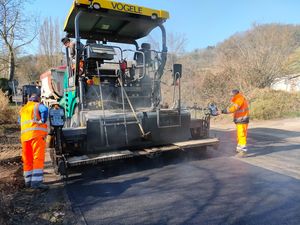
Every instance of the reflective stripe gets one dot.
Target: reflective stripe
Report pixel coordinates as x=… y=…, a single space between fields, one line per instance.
x=25 y=173
x=34 y=128
x=29 y=121
x=37 y=175
x=243 y=119
x=37 y=178
x=244 y=148
x=35 y=171
x=27 y=176
x=242 y=110
x=235 y=105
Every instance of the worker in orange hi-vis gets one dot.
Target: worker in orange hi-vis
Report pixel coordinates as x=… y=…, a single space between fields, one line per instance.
x=33 y=118
x=240 y=109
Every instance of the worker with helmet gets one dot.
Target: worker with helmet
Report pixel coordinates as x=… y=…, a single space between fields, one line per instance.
x=240 y=109
x=33 y=118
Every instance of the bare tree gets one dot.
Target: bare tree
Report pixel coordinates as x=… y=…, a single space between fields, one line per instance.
x=28 y=70
x=258 y=56
x=197 y=65
x=49 y=43
x=16 y=31
x=176 y=46
x=176 y=43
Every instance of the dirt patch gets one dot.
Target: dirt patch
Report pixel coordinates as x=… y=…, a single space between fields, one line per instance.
x=11 y=183
x=41 y=208
x=26 y=206
x=10 y=168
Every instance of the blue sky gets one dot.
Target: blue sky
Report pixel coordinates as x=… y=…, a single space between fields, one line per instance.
x=204 y=22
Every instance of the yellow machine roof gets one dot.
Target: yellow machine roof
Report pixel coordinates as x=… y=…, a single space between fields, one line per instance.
x=113 y=21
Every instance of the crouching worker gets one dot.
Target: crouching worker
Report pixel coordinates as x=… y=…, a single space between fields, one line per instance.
x=33 y=118
x=240 y=109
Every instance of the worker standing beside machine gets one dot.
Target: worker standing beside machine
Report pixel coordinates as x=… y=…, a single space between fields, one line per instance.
x=240 y=109
x=33 y=118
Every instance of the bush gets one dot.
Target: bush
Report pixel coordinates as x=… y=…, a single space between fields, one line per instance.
x=8 y=114
x=272 y=104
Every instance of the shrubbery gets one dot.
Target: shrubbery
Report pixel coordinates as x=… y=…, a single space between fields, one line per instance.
x=8 y=114
x=271 y=104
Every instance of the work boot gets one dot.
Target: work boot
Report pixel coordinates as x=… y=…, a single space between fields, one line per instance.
x=41 y=186
x=241 y=154
x=27 y=184
x=238 y=148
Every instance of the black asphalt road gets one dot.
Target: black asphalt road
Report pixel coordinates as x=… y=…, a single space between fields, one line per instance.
x=211 y=188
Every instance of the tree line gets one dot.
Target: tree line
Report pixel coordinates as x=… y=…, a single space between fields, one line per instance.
x=18 y=30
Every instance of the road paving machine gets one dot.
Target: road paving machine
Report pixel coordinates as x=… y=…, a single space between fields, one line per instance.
x=109 y=107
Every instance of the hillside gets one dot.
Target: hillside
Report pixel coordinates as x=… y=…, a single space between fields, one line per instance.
x=248 y=61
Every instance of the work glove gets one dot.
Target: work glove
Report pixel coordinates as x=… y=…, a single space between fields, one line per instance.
x=224 y=111
x=40 y=122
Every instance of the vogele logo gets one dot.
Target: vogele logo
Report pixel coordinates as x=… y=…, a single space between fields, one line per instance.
x=127 y=8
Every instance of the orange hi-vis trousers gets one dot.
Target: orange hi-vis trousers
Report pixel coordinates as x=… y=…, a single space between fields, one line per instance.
x=241 y=134
x=33 y=155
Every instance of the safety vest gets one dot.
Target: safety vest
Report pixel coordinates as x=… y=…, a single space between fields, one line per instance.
x=30 y=126
x=240 y=109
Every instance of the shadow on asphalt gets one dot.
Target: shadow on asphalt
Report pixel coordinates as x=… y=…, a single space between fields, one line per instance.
x=265 y=150
x=261 y=141
x=111 y=189
x=273 y=132
x=265 y=141
x=126 y=166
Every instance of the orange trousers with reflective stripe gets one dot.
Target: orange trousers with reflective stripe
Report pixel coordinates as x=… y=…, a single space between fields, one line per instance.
x=33 y=156
x=241 y=134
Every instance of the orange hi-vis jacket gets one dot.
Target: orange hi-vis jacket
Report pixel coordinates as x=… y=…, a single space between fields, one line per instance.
x=240 y=109
x=30 y=125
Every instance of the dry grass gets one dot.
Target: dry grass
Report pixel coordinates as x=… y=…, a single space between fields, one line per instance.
x=270 y=104
x=8 y=114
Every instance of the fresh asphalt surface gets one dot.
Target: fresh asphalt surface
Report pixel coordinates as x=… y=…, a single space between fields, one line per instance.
x=189 y=188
